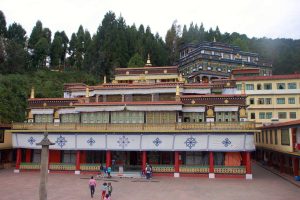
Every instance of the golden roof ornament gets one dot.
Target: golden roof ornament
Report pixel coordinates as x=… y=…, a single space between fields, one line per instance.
x=148 y=61
x=87 y=92
x=177 y=90
x=32 y=93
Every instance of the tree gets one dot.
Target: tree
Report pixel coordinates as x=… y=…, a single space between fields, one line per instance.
x=136 y=61
x=17 y=33
x=2 y=25
x=172 y=41
x=56 y=50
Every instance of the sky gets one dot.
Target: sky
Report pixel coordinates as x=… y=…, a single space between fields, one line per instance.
x=255 y=18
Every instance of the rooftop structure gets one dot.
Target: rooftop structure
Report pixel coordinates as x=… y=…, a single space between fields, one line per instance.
x=206 y=61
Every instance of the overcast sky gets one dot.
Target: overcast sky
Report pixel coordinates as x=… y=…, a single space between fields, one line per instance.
x=256 y=18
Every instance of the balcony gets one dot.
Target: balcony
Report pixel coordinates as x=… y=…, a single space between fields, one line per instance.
x=166 y=127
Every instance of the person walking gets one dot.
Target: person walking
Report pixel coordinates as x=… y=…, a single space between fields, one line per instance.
x=107 y=197
x=92 y=185
x=103 y=189
x=148 y=171
x=109 y=188
x=108 y=172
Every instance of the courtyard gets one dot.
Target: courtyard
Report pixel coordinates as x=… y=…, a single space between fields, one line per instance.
x=265 y=185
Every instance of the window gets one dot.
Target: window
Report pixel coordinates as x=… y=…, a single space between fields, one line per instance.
x=280 y=100
x=268 y=101
x=292 y=86
x=280 y=86
x=252 y=115
x=252 y=101
x=239 y=86
x=293 y=115
x=285 y=136
x=276 y=136
x=268 y=115
x=258 y=86
x=249 y=87
x=268 y=86
x=292 y=100
x=282 y=115
x=1 y=136
x=69 y=157
x=261 y=115
x=271 y=137
x=260 y=101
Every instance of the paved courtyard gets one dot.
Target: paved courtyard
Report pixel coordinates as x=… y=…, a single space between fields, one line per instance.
x=265 y=185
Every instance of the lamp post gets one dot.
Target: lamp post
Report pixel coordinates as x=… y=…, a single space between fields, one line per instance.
x=45 y=143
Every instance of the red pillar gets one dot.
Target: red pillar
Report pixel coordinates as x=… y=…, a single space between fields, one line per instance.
x=211 y=162
x=18 y=159
x=176 y=167
x=108 y=158
x=144 y=160
x=28 y=155
x=78 y=161
x=296 y=166
x=83 y=157
x=248 y=163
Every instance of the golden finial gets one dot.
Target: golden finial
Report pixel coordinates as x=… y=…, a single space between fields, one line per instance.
x=180 y=77
x=87 y=92
x=104 y=79
x=32 y=93
x=148 y=61
x=177 y=90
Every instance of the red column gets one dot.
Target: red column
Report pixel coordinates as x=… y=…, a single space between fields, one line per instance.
x=83 y=157
x=108 y=158
x=211 y=162
x=78 y=161
x=18 y=159
x=176 y=167
x=281 y=163
x=294 y=130
x=248 y=163
x=144 y=160
x=296 y=166
x=28 y=155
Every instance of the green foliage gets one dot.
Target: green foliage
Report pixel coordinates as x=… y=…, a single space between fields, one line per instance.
x=2 y=25
x=15 y=90
x=136 y=61
x=17 y=33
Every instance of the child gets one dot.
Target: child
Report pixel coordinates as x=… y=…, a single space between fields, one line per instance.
x=103 y=189
x=109 y=188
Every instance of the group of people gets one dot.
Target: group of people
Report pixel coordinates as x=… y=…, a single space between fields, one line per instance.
x=106 y=189
x=105 y=171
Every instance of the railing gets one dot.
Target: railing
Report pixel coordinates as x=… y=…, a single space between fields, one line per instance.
x=193 y=169
x=61 y=166
x=230 y=169
x=164 y=127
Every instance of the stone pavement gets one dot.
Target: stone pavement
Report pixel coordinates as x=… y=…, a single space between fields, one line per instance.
x=265 y=185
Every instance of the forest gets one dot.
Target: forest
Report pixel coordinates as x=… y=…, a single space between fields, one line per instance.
x=47 y=60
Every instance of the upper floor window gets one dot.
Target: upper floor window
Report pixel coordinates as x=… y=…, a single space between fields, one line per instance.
x=249 y=86
x=293 y=115
x=282 y=115
x=268 y=115
x=292 y=86
x=251 y=101
x=262 y=115
x=239 y=86
x=258 y=86
x=280 y=86
x=252 y=116
x=280 y=100
x=260 y=101
x=285 y=136
x=268 y=100
x=268 y=86
x=291 y=100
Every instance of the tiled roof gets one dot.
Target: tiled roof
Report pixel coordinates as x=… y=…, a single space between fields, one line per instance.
x=281 y=124
x=130 y=103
